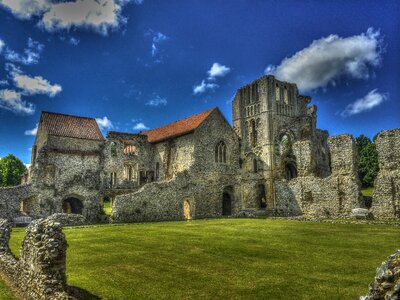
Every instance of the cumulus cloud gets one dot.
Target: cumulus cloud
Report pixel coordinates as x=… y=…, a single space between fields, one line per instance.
x=32 y=131
x=100 y=15
x=203 y=87
x=12 y=101
x=218 y=70
x=366 y=103
x=104 y=123
x=329 y=58
x=35 y=85
x=30 y=56
x=140 y=126
x=157 y=101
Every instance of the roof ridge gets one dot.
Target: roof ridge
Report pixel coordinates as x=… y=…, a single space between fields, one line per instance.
x=67 y=115
x=209 y=110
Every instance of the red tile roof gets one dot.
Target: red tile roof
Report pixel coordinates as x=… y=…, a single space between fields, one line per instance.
x=177 y=128
x=71 y=126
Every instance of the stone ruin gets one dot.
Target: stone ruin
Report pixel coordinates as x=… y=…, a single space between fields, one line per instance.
x=386 y=284
x=40 y=271
x=273 y=160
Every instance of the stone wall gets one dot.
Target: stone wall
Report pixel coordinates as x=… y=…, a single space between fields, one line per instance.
x=386 y=197
x=332 y=196
x=40 y=272
x=10 y=200
x=386 y=284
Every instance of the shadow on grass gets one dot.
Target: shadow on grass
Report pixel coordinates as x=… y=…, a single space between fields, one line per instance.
x=81 y=294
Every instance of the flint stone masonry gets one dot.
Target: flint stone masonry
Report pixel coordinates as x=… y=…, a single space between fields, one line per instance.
x=40 y=272
x=68 y=219
x=386 y=197
x=386 y=284
x=272 y=161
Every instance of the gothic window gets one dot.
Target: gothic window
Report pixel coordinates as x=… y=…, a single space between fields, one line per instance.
x=255 y=167
x=277 y=93
x=220 y=152
x=129 y=172
x=129 y=149
x=113 y=149
x=285 y=96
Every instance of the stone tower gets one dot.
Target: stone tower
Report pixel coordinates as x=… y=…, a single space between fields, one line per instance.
x=269 y=116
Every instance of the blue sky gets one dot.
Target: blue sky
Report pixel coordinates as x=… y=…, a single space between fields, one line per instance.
x=141 y=64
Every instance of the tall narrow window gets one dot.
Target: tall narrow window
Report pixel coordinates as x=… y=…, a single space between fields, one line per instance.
x=113 y=149
x=157 y=171
x=113 y=179
x=220 y=152
x=255 y=167
x=253 y=133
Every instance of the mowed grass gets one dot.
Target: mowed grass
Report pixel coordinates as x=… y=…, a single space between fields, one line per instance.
x=5 y=293
x=368 y=191
x=226 y=259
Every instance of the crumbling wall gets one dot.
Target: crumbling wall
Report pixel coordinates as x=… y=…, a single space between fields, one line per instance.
x=386 y=284
x=332 y=196
x=40 y=272
x=10 y=200
x=386 y=197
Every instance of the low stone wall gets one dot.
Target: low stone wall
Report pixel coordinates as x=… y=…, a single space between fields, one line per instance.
x=10 y=200
x=386 y=284
x=40 y=272
x=386 y=197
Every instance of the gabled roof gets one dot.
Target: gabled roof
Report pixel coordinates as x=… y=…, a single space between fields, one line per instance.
x=71 y=126
x=178 y=128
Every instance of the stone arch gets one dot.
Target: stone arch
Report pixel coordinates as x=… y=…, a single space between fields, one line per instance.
x=187 y=210
x=227 y=201
x=290 y=170
x=72 y=205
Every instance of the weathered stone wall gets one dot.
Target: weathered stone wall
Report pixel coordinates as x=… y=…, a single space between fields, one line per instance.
x=10 y=200
x=68 y=167
x=386 y=284
x=197 y=179
x=386 y=197
x=40 y=272
x=332 y=196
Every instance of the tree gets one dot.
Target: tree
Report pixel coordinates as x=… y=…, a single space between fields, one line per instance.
x=11 y=170
x=361 y=142
x=368 y=165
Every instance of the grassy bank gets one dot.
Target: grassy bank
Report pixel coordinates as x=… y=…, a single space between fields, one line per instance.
x=226 y=259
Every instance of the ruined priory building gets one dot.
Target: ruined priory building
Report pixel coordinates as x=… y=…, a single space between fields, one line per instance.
x=272 y=161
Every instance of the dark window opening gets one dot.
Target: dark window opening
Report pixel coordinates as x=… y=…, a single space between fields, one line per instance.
x=72 y=206
x=290 y=171
x=226 y=204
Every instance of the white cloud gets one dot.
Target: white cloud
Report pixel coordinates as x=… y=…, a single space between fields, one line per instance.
x=329 y=58
x=156 y=39
x=203 y=87
x=12 y=101
x=104 y=123
x=100 y=15
x=140 y=126
x=3 y=82
x=35 y=85
x=1 y=45
x=31 y=53
x=74 y=41
x=157 y=101
x=366 y=103
x=32 y=131
x=218 y=70
x=25 y=9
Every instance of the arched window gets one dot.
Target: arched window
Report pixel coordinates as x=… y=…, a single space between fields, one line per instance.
x=220 y=152
x=129 y=149
x=255 y=167
x=113 y=149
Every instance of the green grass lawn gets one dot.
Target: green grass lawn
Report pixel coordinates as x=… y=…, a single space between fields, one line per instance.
x=107 y=207
x=367 y=191
x=5 y=293
x=226 y=259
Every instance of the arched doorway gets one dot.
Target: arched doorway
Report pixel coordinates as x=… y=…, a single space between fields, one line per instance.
x=226 y=204
x=72 y=205
x=290 y=171
x=187 y=213
x=261 y=196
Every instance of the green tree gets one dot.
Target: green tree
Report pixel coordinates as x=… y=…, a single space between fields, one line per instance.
x=361 y=142
x=11 y=170
x=368 y=165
